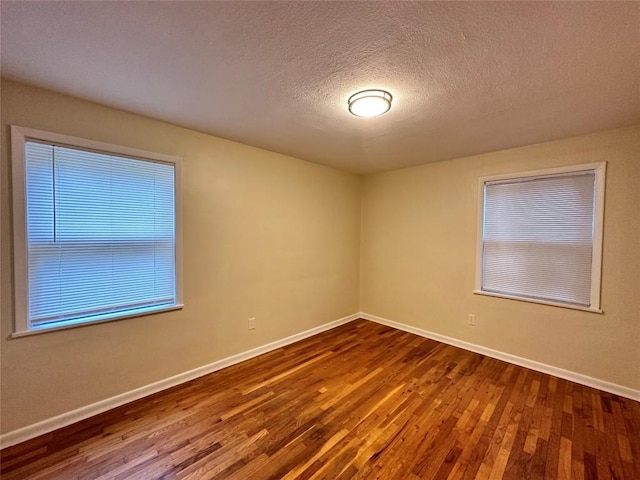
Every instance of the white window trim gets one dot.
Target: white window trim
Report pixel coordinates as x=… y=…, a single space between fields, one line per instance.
x=598 y=227
x=19 y=136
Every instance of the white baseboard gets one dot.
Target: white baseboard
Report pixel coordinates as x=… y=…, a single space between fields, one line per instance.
x=31 y=431
x=507 y=357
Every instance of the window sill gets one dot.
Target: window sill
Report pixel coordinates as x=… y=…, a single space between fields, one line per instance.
x=541 y=302
x=78 y=323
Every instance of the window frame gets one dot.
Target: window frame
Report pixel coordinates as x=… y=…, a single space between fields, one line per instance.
x=19 y=137
x=599 y=169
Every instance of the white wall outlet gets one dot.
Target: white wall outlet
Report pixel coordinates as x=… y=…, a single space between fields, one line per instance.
x=251 y=323
x=471 y=319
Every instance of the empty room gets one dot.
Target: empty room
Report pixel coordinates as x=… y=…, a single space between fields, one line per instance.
x=319 y=240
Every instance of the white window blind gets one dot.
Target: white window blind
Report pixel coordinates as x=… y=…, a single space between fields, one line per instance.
x=538 y=237
x=100 y=234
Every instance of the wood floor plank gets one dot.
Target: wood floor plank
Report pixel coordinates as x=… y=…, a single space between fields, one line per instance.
x=361 y=401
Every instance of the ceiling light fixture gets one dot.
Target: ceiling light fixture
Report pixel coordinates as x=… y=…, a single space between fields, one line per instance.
x=370 y=103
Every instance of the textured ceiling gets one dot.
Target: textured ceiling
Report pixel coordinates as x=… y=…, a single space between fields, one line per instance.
x=466 y=78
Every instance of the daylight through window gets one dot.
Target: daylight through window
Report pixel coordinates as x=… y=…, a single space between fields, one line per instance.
x=99 y=234
x=541 y=236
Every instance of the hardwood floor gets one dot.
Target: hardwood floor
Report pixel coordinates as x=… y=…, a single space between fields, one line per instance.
x=361 y=401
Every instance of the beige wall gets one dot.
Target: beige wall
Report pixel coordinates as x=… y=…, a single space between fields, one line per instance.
x=418 y=258
x=276 y=238
x=265 y=236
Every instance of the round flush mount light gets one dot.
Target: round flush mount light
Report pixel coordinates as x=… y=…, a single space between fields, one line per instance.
x=370 y=103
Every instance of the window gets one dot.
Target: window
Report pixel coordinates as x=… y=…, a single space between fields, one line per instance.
x=540 y=236
x=96 y=231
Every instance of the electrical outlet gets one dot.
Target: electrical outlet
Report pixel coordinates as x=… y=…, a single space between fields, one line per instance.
x=252 y=323
x=471 y=319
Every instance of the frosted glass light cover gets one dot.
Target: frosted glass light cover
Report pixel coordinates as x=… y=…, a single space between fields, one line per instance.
x=370 y=103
